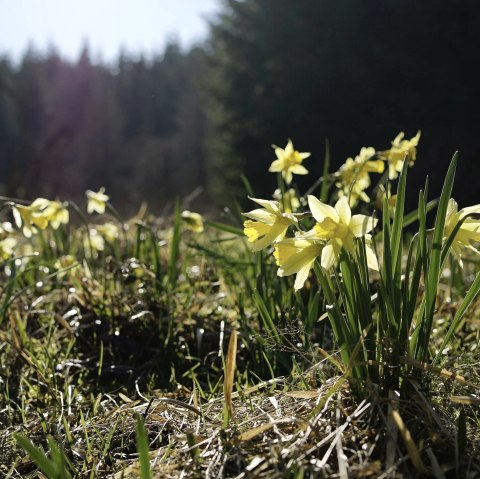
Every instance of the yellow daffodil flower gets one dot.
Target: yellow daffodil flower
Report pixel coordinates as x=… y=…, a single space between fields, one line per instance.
x=339 y=228
x=109 y=231
x=269 y=224
x=97 y=201
x=469 y=230
x=7 y=247
x=55 y=212
x=400 y=150
x=192 y=221
x=288 y=162
x=39 y=215
x=31 y=217
x=296 y=256
x=383 y=193
x=354 y=175
x=96 y=241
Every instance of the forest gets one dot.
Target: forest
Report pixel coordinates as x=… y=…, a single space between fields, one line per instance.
x=184 y=124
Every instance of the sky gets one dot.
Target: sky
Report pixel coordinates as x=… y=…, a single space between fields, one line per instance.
x=107 y=25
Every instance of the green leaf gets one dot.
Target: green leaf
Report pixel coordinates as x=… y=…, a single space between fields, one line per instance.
x=174 y=247
x=436 y=256
x=396 y=233
x=142 y=448
x=265 y=316
x=326 y=166
x=224 y=227
x=47 y=466
x=413 y=216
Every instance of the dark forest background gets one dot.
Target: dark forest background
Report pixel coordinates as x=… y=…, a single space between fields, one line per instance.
x=188 y=123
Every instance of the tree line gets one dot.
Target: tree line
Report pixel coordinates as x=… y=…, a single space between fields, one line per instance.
x=355 y=73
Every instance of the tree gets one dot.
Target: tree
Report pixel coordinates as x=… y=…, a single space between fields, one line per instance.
x=354 y=72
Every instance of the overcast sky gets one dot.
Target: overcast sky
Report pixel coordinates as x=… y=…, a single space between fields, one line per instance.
x=107 y=25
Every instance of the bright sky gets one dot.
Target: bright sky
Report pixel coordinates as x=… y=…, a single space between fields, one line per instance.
x=108 y=25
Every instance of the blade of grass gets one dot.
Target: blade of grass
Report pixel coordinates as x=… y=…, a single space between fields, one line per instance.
x=326 y=166
x=48 y=467
x=436 y=253
x=142 y=448
x=396 y=232
x=174 y=247
x=228 y=381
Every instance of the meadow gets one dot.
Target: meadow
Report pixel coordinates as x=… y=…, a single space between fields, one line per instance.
x=324 y=333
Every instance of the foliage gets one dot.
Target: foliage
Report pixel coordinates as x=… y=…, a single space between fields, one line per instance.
x=114 y=334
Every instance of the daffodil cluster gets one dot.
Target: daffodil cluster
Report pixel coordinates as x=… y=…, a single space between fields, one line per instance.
x=353 y=177
x=334 y=231
x=401 y=149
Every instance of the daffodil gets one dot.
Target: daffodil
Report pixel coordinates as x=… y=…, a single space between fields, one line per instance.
x=97 y=201
x=296 y=256
x=39 y=215
x=7 y=247
x=288 y=162
x=266 y=225
x=354 y=175
x=469 y=230
x=55 y=212
x=109 y=231
x=383 y=193
x=95 y=242
x=31 y=217
x=192 y=221
x=401 y=149
x=8 y=242
x=339 y=228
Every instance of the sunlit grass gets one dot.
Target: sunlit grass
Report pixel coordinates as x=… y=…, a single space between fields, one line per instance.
x=180 y=347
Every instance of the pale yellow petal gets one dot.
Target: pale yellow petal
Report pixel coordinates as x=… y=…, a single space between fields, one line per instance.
x=254 y=230
x=276 y=166
x=299 y=170
x=329 y=255
x=372 y=261
x=304 y=155
x=320 y=210
x=269 y=205
x=263 y=216
x=289 y=148
x=302 y=275
x=293 y=254
x=361 y=225
x=287 y=176
x=469 y=210
x=275 y=233
x=376 y=166
x=392 y=171
x=343 y=210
